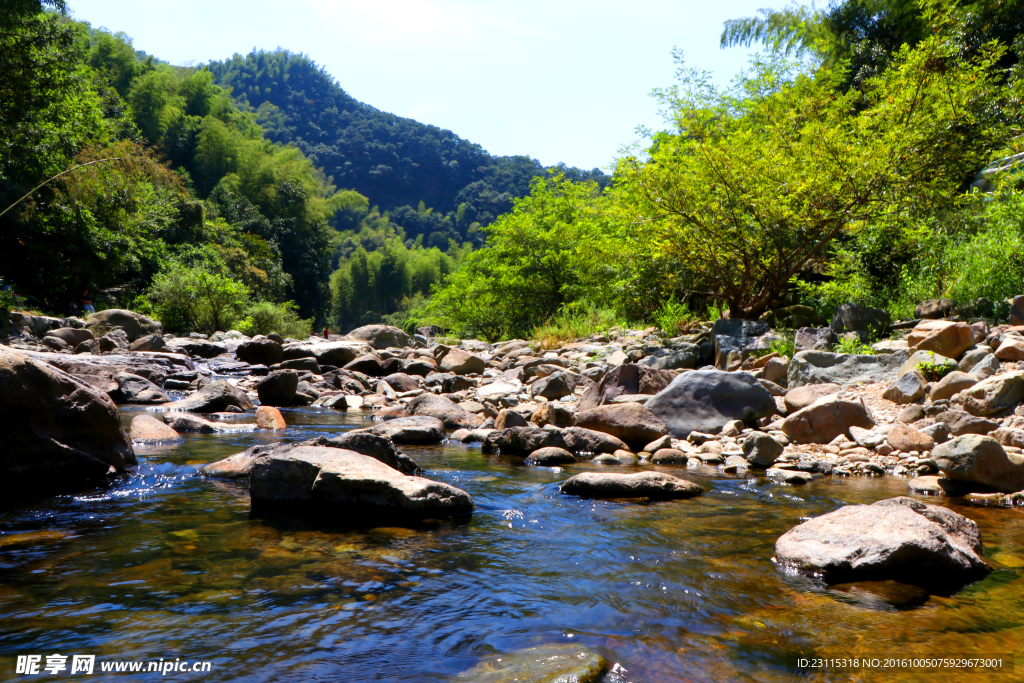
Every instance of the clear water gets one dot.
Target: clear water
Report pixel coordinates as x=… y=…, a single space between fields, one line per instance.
x=167 y=564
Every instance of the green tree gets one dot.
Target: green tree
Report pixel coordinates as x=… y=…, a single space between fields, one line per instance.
x=759 y=180
x=187 y=298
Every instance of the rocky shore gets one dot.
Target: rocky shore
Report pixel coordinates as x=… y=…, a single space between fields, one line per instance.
x=937 y=401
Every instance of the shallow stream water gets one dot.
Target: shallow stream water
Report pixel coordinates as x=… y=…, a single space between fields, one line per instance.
x=167 y=564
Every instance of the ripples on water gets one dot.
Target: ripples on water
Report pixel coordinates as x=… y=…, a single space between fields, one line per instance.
x=167 y=564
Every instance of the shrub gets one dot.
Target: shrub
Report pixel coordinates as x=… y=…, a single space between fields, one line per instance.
x=575 y=322
x=855 y=346
x=265 y=317
x=185 y=298
x=933 y=371
x=674 y=318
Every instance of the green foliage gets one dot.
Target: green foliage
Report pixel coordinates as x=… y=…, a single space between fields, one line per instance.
x=264 y=317
x=674 y=318
x=575 y=322
x=193 y=298
x=852 y=344
x=759 y=180
x=933 y=371
x=538 y=258
x=783 y=344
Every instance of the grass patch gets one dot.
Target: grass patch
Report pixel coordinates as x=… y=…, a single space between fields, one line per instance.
x=571 y=324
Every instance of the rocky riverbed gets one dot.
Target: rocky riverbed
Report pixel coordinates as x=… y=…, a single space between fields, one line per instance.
x=934 y=414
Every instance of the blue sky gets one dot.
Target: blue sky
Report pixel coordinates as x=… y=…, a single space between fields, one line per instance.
x=560 y=81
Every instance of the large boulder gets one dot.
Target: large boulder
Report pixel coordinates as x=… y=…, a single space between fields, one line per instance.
x=981 y=461
x=905 y=438
x=934 y=309
x=821 y=367
x=626 y=379
x=278 y=388
x=685 y=356
x=706 y=400
x=951 y=385
x=260 y=351
x=369 y=364
x=60 y=432
x=580 y=440
x=554 y=386
x=374 y=445
x=337 y=353
x=399 y=381
x=452 y=414
x=735 y=339
x=815 y=339
x=133 y=324
x=356 y=485
x=994 y=395
x=101 y=371
x=71 y=336
x=462 y=363
x=523 y=440
x=149 y=342
x=270 y=418
x=135 y=389
x=197 y=348
x=959 y=423
x=943 y=337
x=631 y=422
x=655 y=485
x=214 y=397
x=857 y=318
x=825 y=419
x=418 y=429
x=380 y=336
x=897 y=539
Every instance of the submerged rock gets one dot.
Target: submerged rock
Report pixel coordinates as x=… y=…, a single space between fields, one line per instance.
x=197 y=425
x=656 y=485
x=547 y=664
x=900 y=539
x=549 y=456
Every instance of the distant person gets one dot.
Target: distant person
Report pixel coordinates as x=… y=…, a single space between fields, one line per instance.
x=87 y=303
x=327 y=333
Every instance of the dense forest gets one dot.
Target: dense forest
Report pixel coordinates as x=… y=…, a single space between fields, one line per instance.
x=122 y=173
x=871 y=153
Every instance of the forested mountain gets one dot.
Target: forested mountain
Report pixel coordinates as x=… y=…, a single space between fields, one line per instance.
x=396 y=162
x=121 y=172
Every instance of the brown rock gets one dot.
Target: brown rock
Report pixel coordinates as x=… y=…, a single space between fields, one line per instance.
x=509 y=418
x=631 y=422
x=942 y=337
x=552 y=414
x=994 y=394
x=906 y=439
x=1011 y=349
x=146 y=429
x=952 y=384
x=980 y=460
x=268 y=417
x=462 y=363
x=669 y=456
x=825 y=419
x=801 y=397
x=960 y=423
x=655 y=485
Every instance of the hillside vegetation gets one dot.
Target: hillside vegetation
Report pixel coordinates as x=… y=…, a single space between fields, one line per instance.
x=120 y=172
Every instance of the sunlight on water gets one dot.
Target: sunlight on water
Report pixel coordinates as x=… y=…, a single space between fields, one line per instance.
x=169 y=564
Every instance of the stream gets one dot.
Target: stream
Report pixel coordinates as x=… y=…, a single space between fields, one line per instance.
x=167 y=564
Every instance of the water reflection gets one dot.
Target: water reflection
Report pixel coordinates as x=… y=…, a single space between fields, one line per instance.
x=165 y=563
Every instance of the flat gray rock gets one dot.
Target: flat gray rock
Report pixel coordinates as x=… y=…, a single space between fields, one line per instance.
x=706 y=400
x=655 y=485
x=822 y=367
